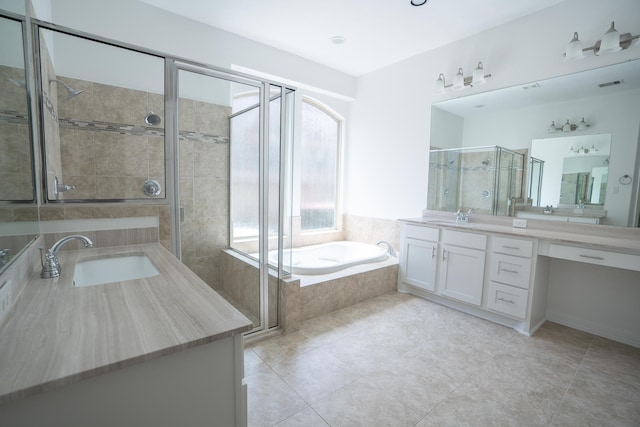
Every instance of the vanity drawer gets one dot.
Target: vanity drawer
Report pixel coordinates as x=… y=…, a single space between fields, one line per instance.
x=595 y=256
x=510 y=270
x=508 y=246
x=466 y=240
x=421 y=233
x=507 y=300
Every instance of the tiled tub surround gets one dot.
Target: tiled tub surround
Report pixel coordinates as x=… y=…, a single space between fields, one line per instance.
x=87 y=335
x=304 y=297
x=399 y=360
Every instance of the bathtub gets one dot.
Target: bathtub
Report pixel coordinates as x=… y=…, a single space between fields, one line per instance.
x=330 y=257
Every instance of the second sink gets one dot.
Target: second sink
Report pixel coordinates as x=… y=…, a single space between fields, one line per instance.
x=99 y=271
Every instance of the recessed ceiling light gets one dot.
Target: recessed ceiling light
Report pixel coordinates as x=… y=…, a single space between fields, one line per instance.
x=338 y=40
x=418 y=2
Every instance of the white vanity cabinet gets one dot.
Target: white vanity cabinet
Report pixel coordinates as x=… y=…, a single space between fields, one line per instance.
x=462 y=266
x=419 y=257
x=510 y=275
x=486 y=274
x=444 y=262
x=572 y=274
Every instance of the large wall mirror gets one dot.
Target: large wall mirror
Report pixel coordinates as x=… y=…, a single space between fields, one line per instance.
x=18 y=208
x=103 y=120
x=594 y=165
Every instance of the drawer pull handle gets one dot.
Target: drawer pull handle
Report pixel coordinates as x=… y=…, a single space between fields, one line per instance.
x=444 y=252
x=506 y=270
x=599 y=258
x=506 y=300
x=433 y=252
x=515 y=248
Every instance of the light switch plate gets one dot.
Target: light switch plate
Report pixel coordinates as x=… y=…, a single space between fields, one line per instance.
x=519 y=223
x=5 y=298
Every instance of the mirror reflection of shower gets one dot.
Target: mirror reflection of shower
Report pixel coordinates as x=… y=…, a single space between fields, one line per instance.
x=71 y=92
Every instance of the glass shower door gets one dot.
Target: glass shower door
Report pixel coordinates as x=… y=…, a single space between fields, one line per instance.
x=204 y=110
x=230 y=193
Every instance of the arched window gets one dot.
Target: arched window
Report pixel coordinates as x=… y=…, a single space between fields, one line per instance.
x=319 y=166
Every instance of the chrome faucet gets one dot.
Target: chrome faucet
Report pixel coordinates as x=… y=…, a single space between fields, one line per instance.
x=50 y=264
x=463 y=218
x=390 y=250
x=4 y=257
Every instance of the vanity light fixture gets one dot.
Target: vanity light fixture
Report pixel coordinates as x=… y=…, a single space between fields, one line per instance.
x=612 y=41
x=568 y=126
x=460 y=81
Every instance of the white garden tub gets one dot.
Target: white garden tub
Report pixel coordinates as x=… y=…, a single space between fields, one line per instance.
x=330 y=257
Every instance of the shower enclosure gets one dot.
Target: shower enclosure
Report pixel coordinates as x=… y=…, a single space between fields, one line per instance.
x=205 y=150
x=485 y=179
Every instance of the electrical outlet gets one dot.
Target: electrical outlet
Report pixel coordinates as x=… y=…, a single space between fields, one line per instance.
x=519 y=223
x=5 y=298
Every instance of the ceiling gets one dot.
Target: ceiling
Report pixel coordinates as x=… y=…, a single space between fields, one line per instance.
x=377 y=32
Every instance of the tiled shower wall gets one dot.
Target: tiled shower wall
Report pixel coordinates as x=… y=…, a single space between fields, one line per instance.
x=15 y=144
x=204 y=186
x=107 y=150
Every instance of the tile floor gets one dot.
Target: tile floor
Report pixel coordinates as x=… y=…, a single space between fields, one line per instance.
x=398 y=360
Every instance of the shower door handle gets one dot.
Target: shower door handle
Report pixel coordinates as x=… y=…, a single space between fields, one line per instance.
x=181 y=214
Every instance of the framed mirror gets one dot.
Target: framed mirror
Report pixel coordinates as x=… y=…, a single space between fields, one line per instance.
x=18 y=208
x=518 y=118
x=103 y=120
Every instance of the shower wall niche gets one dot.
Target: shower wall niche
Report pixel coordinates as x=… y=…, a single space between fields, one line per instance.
x=485 y=179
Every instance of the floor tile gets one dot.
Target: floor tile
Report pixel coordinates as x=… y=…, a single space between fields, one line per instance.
x=362 y=404
x=598 y=399
x=305 y=418
x=400 y=360
x=269 y=399
x=315 y=374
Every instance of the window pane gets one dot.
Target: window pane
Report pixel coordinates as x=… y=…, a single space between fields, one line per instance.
x=318 y=168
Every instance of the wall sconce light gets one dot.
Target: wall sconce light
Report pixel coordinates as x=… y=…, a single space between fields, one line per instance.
x=460 y=81
x=582 y=150
x=568 y=126
x=612 y=41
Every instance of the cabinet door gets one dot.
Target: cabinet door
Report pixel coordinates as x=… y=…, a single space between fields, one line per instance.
x=419 y=263
x=462 y=273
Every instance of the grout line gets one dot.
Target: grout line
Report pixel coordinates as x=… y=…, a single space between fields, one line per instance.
x=575 y=375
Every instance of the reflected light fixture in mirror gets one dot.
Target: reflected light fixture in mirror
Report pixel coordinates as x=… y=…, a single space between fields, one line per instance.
x=612 y=41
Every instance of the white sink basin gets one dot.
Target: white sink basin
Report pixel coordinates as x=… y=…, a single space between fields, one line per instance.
x=99 y=271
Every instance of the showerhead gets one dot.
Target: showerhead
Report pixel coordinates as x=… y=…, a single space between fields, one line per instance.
x=485 y=163
x=71 y=92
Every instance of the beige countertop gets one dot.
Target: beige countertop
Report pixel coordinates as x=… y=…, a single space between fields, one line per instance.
x=57 y=334
x=609 y=237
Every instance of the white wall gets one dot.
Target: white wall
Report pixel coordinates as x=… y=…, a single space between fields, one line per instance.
x=390 y=119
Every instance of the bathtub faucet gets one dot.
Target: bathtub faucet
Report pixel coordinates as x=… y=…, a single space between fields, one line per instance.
x=390 y=250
